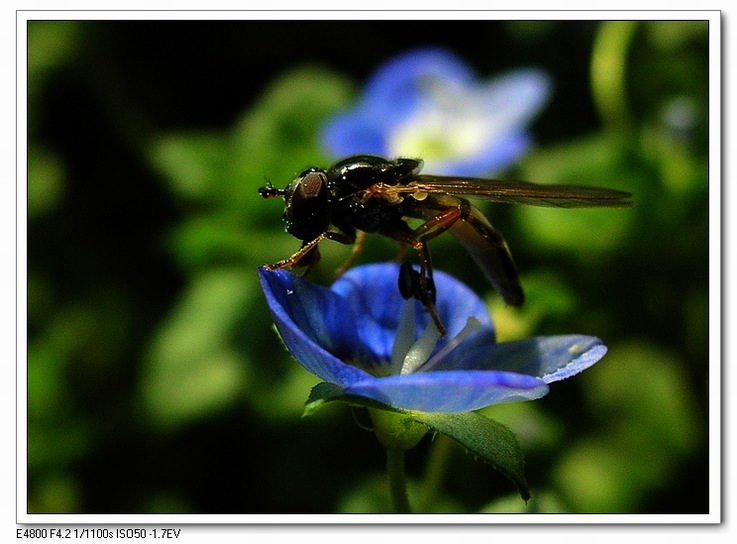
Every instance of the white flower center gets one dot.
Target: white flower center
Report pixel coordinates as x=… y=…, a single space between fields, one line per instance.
x=453 y=123
x=409 y=355
x=438 y=137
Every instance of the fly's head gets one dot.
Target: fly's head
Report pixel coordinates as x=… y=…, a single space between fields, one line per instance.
x=306 y=204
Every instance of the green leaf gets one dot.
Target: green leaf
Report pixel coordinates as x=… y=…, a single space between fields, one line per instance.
x=276 y=137
x=194 y=164
x=485 y=438
x=192 y=368
x=586 y=233
x=279 y=136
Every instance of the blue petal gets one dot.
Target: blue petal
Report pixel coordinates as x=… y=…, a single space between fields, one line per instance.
x=449 y=391
x=550 y=358
x=509 y=101
x=397 y=87
x=393 y=93
x=312 y=320
x=504 y=152
x=373 y=293
x=322 y=328
x=354 y=133
x=515 y=97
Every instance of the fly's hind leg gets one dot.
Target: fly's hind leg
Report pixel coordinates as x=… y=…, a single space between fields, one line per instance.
x=426 y=293
x=474 y=231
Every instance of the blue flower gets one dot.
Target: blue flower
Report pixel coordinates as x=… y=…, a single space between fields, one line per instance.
x=427 y=103
x=362 y=336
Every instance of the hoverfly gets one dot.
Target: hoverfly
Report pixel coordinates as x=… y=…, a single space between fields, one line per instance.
x=368 y=194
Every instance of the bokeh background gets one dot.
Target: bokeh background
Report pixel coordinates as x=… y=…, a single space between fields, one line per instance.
x=156 y=382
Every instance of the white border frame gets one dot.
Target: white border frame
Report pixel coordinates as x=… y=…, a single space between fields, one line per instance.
x=715 y=276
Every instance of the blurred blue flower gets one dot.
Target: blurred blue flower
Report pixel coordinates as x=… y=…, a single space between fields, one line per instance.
x=428 y=104
x=364 y=337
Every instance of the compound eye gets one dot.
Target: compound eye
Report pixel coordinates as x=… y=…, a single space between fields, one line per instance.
x=312 y=184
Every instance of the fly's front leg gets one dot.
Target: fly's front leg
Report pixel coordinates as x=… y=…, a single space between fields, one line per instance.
x=299 y=258
x=309 y=254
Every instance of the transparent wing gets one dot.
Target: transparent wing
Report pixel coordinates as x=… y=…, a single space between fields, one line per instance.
x=517 y=192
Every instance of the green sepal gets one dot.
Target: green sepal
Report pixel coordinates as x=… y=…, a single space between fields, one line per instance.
x=398 y=431
x=321 y=394
x=325 y=392
x=490 y=441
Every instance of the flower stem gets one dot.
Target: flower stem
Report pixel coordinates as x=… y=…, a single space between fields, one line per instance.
x=397 y=480
x=436 y=469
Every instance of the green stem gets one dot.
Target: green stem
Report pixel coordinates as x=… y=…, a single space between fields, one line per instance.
x=397 y=480
x=436 y=468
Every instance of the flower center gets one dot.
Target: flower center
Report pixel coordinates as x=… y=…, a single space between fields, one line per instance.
x=450 y=125
x=436 y=136
x=410 y=355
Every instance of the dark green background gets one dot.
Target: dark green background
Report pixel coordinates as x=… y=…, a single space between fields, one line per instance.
x=156 y=383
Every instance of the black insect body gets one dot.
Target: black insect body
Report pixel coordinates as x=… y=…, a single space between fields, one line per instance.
x=369 y=194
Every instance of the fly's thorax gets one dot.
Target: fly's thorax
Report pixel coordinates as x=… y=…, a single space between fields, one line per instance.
x=362 y=171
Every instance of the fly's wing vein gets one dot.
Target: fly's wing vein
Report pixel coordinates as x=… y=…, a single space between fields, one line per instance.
x=520 y=192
